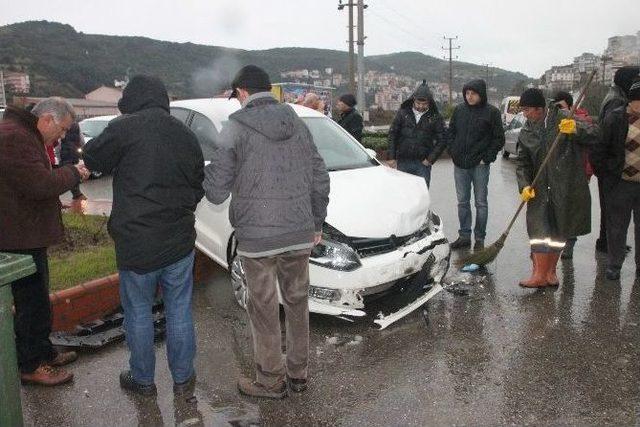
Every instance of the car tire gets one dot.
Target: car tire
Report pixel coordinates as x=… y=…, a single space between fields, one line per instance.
x=505 y=154
x=239 y=282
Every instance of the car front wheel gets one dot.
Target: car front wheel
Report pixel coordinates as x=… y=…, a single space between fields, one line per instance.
x=239 y=282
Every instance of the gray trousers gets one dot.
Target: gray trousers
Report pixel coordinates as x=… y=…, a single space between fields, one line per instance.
x=622 y=200
x=290 y=272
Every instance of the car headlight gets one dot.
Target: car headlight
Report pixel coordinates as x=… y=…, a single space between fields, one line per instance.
x=335 y=255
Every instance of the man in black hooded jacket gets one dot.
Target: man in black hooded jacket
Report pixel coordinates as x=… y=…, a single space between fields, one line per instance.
x=417 y=134
x=157 y=169
x=475 y=138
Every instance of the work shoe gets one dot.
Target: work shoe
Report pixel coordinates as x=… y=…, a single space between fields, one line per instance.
x=461 y=243
x=479 y=245
x=552 y=263
x=46 y=375
x=64 y=358
x=297 y=385
x=253 y=388
x=186 y=387
x=538 y=278
x=128 y=383
x=612 y=273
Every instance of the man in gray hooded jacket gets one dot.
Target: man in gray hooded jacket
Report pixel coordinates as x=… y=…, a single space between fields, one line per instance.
x=279 y=188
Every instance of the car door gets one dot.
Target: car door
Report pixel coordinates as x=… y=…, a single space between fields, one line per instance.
x=212 y=221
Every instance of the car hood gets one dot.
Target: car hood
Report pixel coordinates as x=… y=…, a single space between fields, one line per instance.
x=377 y=202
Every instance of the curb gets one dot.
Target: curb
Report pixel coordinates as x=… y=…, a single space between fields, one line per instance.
x=84 y=303
x=97 y=298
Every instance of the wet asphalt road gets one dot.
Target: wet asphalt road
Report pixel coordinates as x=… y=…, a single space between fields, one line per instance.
x=485 y=353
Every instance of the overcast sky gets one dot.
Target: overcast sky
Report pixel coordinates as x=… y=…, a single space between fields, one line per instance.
x=524 y=36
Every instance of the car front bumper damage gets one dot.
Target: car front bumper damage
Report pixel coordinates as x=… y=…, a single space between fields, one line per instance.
x=352 y=303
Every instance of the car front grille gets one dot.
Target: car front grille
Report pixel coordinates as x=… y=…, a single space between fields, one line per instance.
x=367 y=247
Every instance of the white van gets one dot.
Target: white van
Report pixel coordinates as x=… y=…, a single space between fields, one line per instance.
x=509 y=107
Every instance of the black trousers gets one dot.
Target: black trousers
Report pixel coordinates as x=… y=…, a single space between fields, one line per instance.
x=622 y=201
x=33 y=314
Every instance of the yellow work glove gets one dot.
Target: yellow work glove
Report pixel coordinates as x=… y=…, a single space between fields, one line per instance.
x=528 y=193
x=567 y=126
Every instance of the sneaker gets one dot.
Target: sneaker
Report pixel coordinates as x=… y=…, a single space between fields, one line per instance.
x=186 y=387
x=64 y=358
x=46 y=375
x=612 y=273
x=253 y=388
x=461 y=243
x=479 y=245
x=128 y=383
x=297 y=385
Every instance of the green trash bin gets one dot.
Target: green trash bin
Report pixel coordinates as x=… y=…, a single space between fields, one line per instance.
x=12 y=268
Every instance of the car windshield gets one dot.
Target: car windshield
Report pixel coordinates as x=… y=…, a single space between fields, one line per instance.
x=337 y=149
x=93 y=128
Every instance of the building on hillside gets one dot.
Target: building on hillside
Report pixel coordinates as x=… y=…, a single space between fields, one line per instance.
x=559 y=78
x=584 y=65
x=17 y=82
x=105 y=94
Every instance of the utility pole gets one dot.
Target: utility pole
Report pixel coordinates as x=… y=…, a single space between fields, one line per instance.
x=487 y=65
x=361 y=99
x=352 y=67
x=3 y=95
x=451 y=49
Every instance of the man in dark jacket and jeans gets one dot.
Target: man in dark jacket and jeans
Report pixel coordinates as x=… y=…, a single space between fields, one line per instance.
x=30 y=221
x=475 y=138
x=417 y=134
x=279 y=186
x=615 y=98
x=157 y=169
x=618 y=161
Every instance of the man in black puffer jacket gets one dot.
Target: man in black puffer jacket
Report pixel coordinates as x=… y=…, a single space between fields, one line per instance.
x=157 y=169
x=475 y=138
x=417 y=135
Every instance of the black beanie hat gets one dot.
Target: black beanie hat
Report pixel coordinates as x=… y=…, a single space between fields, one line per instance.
x=250 y=77
x=624 y=77
x=348 y=99
x=634 y=90
x=563 y=96
x=532 y=98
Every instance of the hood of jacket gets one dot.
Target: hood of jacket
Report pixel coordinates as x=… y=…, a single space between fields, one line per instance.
x=143 y=92
x=479 y=87
x=422 y=91
x=265 y=115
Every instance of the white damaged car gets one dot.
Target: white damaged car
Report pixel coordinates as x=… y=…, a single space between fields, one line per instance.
x=383 y=252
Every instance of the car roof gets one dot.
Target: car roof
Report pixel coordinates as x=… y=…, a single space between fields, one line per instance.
x=100 y=118
x=222 y=107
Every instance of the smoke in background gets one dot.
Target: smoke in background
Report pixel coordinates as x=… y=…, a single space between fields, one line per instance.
x=215 y=78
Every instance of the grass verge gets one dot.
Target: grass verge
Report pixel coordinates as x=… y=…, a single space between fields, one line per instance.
x=86 y=253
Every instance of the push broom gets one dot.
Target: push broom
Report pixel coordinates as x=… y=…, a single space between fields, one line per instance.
x=491 y=252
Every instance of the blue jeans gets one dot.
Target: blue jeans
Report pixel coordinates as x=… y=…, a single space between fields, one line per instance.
x=137 y=295
x=415 y=167
x=464 y=178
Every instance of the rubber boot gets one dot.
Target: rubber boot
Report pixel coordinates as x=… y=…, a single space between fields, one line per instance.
x=552 y=262
x=538 y=277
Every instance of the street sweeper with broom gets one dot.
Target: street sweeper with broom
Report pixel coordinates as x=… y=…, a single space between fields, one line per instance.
x=559 y=203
